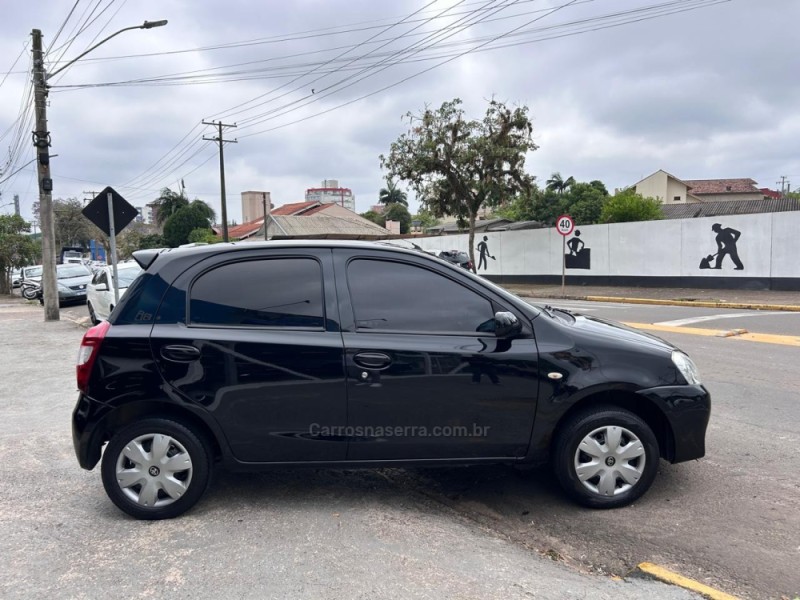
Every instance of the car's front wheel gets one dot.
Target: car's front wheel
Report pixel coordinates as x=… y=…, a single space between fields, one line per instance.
x=155 y=469
x=605 y=457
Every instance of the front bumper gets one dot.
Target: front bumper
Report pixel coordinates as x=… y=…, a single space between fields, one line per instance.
x=687 y=409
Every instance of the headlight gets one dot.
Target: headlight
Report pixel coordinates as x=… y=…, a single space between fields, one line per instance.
x=687 y=367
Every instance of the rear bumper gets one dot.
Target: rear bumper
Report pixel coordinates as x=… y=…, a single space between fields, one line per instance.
x=86 y=436
x=688 y=409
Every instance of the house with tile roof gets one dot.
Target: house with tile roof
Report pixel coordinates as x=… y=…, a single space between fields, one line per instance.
x=670 y=190
x=308 y=220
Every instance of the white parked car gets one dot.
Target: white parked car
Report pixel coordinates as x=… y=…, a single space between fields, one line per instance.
x=100 y=292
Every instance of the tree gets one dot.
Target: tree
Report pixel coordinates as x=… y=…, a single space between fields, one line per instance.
x=74 y=229
x=584 y=202
x=167 y=204
x=398 y=212
x=17 y=249
x=391 y=194
x=627 y=205
x=425 y=218
x=137 y=236
x=203 y=236
x=557 y=184
x=376 y=218
x=183 y=221
x=458 y=166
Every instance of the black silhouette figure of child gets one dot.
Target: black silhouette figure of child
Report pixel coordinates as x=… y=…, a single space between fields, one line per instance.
x=576 y=244
x=726 y=246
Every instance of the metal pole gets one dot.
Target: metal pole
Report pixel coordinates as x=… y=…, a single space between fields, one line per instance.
x=112 y=236
x=563 y=264
x=41 y=139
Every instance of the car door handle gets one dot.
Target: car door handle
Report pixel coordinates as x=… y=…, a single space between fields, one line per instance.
x=372 y=360
x=179 y=353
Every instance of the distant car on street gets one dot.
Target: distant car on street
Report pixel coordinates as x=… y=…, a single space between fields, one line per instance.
x=100 y=292
x=457 y=258
x=72 y=280
x=33 y=273
x=16 y=278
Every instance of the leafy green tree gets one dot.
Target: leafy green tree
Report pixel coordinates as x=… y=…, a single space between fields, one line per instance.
x=17 y=249
x=459 y=166
x=627 y=206
x=426 y=219
x=203 y=236
x=168 y=203
x=182 y=222
x=391 y=194
x=137 y=236
x=376 y=218
x=584 y=203
x=398 y=212
x=558 y=184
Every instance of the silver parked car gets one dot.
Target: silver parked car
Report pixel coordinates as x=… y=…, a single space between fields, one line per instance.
x=100 y=293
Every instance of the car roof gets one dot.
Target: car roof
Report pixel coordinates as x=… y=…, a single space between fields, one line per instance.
x=146 y=257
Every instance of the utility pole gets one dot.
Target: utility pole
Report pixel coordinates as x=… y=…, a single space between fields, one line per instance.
x=221 y=142
x=782 y=183
x=41 y=140
x=16 y=204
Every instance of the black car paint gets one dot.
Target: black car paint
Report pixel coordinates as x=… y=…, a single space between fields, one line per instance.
x=221 y=393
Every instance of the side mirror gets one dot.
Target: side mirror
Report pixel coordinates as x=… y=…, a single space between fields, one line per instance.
x=101 y=287
x=506 y=324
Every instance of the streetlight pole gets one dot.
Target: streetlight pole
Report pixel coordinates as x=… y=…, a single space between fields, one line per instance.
x=41 y=140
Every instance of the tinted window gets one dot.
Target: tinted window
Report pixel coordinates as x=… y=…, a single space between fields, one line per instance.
x=400 y=297
x=266 y=293
x=70 y=271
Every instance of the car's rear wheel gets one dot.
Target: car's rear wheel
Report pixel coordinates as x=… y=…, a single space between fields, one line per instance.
x=155 y=469
x=92 y=316
x=605 y=457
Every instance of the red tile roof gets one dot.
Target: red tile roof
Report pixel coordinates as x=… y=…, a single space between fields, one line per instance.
x=293 y=209
x=770 y=193
x=721 y=186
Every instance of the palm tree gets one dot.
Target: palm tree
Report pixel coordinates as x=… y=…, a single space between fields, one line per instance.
x=391 y=194
x=558 y=184
x=167 y=203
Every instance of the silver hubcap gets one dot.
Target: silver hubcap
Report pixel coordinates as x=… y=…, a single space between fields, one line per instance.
x=610 y=460
x=154 y=470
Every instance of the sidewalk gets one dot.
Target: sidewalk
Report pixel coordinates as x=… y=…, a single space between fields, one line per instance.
x=744 y=299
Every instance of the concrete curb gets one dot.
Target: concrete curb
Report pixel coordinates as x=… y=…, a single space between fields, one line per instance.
x=667 y=576
x=665 y=302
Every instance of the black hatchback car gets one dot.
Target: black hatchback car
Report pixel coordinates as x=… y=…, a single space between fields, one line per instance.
x=246 y=356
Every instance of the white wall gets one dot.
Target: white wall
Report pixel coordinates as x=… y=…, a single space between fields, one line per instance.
x=668 y=248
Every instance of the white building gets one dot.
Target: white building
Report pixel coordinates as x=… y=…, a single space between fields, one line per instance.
x=331 y=193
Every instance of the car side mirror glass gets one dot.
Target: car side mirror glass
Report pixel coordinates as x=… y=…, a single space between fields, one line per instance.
x=101 y=287
x=506 y=324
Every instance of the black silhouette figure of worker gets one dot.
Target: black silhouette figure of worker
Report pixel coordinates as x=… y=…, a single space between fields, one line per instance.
x=483 y=249
x=579 y=256
x=726 y=246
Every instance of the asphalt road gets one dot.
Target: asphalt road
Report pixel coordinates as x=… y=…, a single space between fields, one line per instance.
x=731 y=520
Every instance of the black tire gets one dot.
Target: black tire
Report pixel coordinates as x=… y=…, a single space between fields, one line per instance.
x=29 y=293
x=132 y=498
x=92 y=316
x=621 y=476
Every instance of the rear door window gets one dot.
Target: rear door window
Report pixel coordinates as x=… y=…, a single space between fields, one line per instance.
x=275 y=293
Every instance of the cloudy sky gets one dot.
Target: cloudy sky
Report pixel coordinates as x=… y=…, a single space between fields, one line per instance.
x=617 y=89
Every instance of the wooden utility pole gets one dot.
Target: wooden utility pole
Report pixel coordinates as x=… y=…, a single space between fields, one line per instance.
x=221 y=142
x=267 y=207
x=41 y=140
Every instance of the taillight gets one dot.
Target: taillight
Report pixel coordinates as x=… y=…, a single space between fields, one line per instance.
x=88 y=352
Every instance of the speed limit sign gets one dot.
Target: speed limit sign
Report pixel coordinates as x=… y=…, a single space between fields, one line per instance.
x=565 y=225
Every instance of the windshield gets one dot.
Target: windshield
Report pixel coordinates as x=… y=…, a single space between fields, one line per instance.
x=33 y=272
x=69 y=271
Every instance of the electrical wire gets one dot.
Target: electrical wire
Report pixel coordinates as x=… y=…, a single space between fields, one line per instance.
x=16 y=60
x=63 y=24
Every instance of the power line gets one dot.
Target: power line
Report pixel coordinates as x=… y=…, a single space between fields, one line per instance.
x=63 y=23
